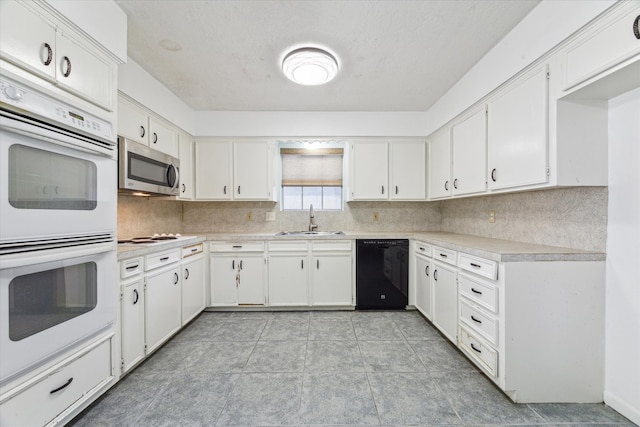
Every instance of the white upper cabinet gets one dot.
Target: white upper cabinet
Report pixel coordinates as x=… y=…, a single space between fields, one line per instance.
x=518 y=132
x=45 y=48
x=185 y=151
x=137 y=124
x=252 y=171
x=226 y=170
x=440 y=164
x=388 y=170
x=407 y=168
x=611 y=41
x=369 y=171
x=469 y=147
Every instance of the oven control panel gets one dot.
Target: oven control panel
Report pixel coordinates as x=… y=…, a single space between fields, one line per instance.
x=22 y=99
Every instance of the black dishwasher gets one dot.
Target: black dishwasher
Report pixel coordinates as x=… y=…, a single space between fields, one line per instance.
x=382 y=274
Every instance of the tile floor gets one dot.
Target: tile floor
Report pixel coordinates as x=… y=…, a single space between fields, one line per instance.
x=318 y=368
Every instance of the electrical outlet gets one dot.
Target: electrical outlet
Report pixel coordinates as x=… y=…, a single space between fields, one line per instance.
x=249 y=216
x=376 y=216
x=271 y=216
x=492 y=217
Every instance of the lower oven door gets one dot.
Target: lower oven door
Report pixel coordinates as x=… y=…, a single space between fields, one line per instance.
x=49 y=307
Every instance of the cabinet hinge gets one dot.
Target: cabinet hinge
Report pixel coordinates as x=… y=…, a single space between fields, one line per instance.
x=548 y=171
x=121 y=295
x=121 y=365
x=145 y=348
x=548 y=74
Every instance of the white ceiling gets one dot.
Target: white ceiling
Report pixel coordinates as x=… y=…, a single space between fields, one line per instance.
x=395 y=55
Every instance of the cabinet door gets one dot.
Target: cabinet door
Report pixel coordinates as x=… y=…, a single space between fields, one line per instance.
x=132 y=323
x=132 y=122
x=192 y=287
x=26 y=40
x=288 y=279
x=440 y=164
x=469 y=146
x=369 y=171
x=224 y=273
x=213 y=170
x=85 y=73
x=251 y=285
x=162 y=306
x=162 y=137
x=251 y=180
x=423 y=286
x=518 y=133
x=407 y=171
x=331 y=280
x=185 y=150
x=445 y=299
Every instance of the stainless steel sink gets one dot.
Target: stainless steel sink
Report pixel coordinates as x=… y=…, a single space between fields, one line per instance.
x=310 y=233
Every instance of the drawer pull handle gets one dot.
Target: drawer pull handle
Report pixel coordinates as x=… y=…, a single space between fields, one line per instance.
x=47 y=46
x=422 y=249
x=475 y=291
x=163 y=259
x=224 y=189
x=302 y=264
x=177 y=278
x=132 y=267
x=136 y=296
x=636 y=30
x=194 y=250
x=62 y=387
x=240 y=265
x=155 y=138
x=443 y=255
x=475 y=320
x=493 y=175
x=426 y=271
x=476 y=349
x=233 y=264
x=435 y=275
x=476 y=265
x=186 y=273
x=143 y=131
x=66 y=72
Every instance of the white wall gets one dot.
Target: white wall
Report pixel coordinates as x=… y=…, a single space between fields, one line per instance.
x=309 y=123
x=622 y=354
x=549 y=23
x=137 y=83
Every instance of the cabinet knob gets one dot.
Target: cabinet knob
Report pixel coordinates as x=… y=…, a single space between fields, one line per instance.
x=49 y=58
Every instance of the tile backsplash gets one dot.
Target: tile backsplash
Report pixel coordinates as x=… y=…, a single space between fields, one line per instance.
x=568 y=217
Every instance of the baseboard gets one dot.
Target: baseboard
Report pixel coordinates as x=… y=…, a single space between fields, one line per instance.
x=623 y=407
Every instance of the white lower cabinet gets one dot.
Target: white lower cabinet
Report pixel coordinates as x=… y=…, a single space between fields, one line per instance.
x=445 y=299
x=132 y=323
x=53 y=396
x=162 y=308
x=193 y=291
x=331 y=267
x=288 y=274
x=422 y=277
x=237 y=273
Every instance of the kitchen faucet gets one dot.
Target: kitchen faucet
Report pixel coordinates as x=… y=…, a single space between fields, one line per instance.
x=312 y=225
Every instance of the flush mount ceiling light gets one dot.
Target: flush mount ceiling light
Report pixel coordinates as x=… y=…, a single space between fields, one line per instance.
x=310 y=66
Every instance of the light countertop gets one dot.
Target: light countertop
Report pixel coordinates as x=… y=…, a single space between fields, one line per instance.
x=493 y=249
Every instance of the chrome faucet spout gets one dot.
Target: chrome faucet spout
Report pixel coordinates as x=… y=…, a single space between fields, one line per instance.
x=312 y=225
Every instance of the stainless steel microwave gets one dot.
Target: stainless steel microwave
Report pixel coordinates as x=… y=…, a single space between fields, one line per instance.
x=145 y=171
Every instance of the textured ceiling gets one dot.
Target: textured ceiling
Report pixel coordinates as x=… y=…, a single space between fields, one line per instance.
x=399 y=55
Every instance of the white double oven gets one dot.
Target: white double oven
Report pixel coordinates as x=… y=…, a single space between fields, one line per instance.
x=58 y=197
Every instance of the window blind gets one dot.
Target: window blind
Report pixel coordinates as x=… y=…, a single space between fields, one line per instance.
x=305 y=168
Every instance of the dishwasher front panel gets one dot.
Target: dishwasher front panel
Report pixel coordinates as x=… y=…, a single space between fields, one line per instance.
x=382 y=274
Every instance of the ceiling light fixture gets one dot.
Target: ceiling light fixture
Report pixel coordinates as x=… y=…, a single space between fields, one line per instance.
x=310 y=66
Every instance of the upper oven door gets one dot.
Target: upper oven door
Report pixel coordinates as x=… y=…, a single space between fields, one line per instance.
x=50 y=185
x=53 y=303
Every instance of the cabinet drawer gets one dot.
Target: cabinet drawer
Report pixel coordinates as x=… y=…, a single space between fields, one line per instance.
x=290 y=246
x=236 y=247
x=188 y=251
x=82 y=374
x=483 y=323
x=483 y=294
x=161 y=259
x=422 y=248
x=479 y=266
x=131 y=267
x=482 y=354
x=445 y=255
x=331 y=245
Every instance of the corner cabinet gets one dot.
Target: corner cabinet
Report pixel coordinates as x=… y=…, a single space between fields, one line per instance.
x=518 y=132
x=388 y=170
x=32 y=39
x=234 y=170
